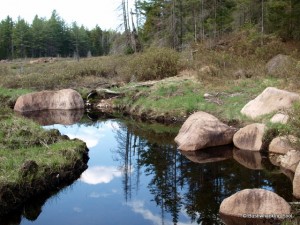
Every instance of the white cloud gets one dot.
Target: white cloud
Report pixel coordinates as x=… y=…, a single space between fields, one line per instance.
x=100 y=174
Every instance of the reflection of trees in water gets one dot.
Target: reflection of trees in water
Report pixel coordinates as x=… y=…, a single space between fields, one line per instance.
x=161 y=163
x=128 y=153
x=179 y=184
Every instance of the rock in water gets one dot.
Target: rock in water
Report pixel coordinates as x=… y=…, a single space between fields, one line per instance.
x=296 y=183
x=282 y=144
x=270 y=100
x=255 y=202
x=250 y=137
x=202 y=130
x=290 y=160
x=44 y=100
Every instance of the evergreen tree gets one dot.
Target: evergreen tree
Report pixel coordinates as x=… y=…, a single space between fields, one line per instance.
x=55 y=29
x=95 y=36
x=21 y=38
x=39 y=37
x=6 y=38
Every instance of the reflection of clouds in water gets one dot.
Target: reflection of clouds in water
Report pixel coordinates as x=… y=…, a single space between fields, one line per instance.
x=112 y=125
x=90 y=135
x=100 y=174
x=99 y=195
x=102 y=195
x=139 y=207
x=77 y=209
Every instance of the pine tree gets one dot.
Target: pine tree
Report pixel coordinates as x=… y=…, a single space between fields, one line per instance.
x=6 y=38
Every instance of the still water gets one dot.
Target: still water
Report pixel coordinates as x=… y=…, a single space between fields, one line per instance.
x=136 y=176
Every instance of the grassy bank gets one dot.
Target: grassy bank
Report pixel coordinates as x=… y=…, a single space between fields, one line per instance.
x=33 y=160
x=177 y=98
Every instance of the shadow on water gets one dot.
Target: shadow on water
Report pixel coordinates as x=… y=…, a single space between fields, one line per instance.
x=191 y=182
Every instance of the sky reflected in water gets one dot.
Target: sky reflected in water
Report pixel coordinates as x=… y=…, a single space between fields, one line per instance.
x=98 y=196
x=132 y=180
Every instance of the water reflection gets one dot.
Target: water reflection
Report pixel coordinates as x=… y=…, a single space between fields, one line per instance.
x=136 y=171
x=249 y=159
x=49 y=117
x=209 y=155
x=194 y=182
x=100 y=174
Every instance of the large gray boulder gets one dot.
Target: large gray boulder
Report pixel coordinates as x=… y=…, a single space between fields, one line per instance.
x=44 y=100
x=202 y=130
x=255 y=202
x=269 y=101
x=250 y=137
x=282 y=144
x=278 y=63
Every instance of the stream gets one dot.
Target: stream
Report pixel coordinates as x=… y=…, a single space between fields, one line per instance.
x=137 y=176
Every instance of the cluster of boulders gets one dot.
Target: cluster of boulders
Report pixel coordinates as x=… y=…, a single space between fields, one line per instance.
x=202 y=130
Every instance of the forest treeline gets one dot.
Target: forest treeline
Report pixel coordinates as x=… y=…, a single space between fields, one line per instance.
x=167 y=23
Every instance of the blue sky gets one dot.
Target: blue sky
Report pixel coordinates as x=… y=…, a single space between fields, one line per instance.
x=105 y=13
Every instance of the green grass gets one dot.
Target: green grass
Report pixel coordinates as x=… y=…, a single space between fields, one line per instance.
x=22 y=140
x=8 y=97
x=181 y=98
x=49 y=158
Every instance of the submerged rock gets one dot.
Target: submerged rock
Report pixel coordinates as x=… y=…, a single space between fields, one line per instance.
x=202 y=130
x=250 y=137
x=44 y=100
x=255 y=202
x=270 y=100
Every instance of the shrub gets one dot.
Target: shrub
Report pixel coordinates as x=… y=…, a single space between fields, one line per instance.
x=153 y=64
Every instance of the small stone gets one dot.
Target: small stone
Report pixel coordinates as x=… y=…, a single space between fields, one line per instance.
x=281 y=145
x=280 y=118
